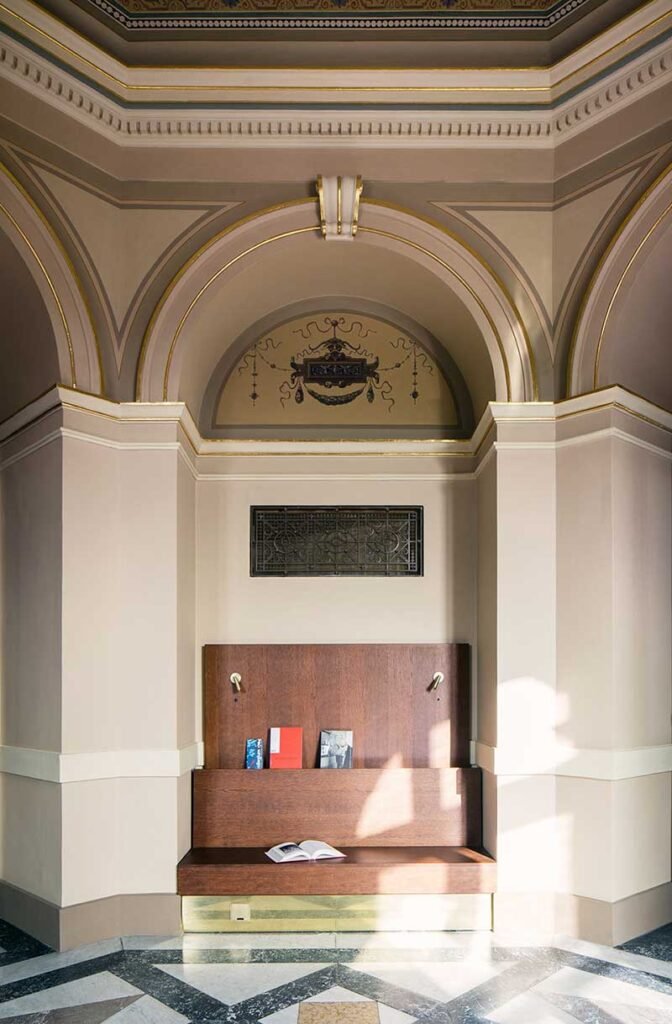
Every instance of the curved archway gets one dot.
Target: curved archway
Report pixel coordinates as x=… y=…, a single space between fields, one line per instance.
x=313 y=314
x=622 y=331
x=276 y=253
x=79 y=364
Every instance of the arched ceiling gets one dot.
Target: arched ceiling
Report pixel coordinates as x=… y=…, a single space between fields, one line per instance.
x=637 y=347
x=326 y=369
x=28 y=355
x=305 y=268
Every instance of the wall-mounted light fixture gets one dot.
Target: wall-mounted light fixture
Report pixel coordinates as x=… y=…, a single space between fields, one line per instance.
x=339 y=205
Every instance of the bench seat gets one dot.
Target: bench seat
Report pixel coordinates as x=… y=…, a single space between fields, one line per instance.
x=212 y=871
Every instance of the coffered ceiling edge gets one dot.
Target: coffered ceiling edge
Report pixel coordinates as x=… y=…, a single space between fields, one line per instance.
x=273 y=14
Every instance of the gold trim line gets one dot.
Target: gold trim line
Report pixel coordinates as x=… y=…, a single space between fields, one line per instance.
x=339 y=205
x=275 y=88
x=399 y=238
x=52 y=289
x=598 y=352
x=598 y=270
x=488 y=269
x=359 y=188
x=190 y=262
x=323 y=214
x=4 y=170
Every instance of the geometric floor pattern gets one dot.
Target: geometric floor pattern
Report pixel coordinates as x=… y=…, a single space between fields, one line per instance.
x=329 y=978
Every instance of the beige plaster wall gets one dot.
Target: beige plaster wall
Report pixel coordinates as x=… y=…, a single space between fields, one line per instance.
x=529 y=836
x=148 y=487
x=614 y=594
x=642 y=596
x=119 y=598
x=128 y=605
x=616 y=835
x=188 y=663
x=526 y=592
x=30 y=601
x=119 y=836
x=575 y=806
x=235 y=608
x=30 y=836
x=585 y=593
x=486 y=501
x=94 y=675
x=614 y=613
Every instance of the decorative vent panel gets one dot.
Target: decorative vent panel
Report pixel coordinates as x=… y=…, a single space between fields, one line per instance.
x=341 y=540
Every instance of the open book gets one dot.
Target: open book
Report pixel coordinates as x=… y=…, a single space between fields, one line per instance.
x=310 y=849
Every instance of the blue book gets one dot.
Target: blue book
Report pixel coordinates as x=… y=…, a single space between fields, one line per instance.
x=254 y=753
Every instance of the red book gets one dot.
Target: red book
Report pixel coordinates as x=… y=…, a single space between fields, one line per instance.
x=285 y=747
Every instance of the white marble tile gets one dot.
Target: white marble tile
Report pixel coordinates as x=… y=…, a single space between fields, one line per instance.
x=94 y=989
x=569 y=981
x=388 y=1015
x=409 y=940
x=530 y=1008
x=440 y=981
x=289 y=1015
x=53 y=961
x=148 y=1011
x=616 y=1013
x=620 y=957
x=232 y=983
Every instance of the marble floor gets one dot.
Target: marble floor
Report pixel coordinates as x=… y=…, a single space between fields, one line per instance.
x=394 y=978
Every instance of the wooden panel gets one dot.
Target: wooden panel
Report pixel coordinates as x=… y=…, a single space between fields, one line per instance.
x=377 y=690
x=366 y=807
x=214 y=872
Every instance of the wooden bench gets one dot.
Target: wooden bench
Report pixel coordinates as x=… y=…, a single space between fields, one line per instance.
x=403 y=830
x=408 y=815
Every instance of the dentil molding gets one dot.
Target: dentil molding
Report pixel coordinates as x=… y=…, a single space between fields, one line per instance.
x=542 y=126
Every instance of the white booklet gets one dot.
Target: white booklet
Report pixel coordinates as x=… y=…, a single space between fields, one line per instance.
x=310 y=849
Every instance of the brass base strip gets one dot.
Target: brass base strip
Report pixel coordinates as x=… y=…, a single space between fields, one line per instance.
x=242 y=913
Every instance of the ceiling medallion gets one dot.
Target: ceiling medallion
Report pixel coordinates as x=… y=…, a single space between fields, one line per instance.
x=336 y=372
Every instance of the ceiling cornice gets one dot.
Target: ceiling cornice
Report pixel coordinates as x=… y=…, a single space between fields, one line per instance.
x=496 y=111
x=51 y=38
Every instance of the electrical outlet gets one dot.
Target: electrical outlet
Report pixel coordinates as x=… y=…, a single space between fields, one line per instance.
x=240 y=912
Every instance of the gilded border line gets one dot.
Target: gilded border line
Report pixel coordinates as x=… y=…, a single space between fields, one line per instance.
x=75 y=277
x=297 y=231
x=613 y=241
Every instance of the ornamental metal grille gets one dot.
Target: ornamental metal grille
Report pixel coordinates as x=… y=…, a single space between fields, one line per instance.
x=345 y=540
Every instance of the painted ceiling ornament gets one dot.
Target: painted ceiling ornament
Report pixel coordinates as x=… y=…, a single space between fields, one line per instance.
x=334 y=371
